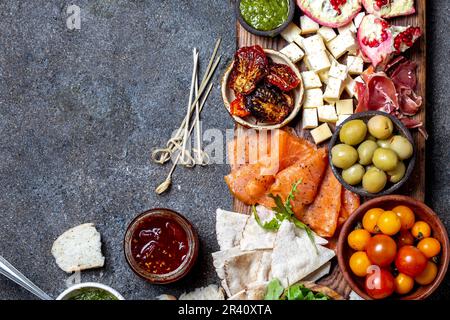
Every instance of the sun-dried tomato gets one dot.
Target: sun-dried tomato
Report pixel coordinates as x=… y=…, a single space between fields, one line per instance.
x=250 y=66
x=237 y=107
x=282 y=76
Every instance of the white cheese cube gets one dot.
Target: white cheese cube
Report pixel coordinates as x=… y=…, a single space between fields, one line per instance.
x=333 y=90
x=291 y=32
x=318 y=61
x=358 y=19
x=342 y=118
x=344 y=106
x=338 y=71
x=308 y=25
x=349 y=26
x=309 y=119
x=313 y=98
x=313 y=44
x=321 y=133
x=327 y=33
x=344 y=42
x=311 y=80
x=359 y=79
x=355 y=65
x=293 y=52
x=353 y=52
x=350 y=87
x=327 y=113
x=323 y=75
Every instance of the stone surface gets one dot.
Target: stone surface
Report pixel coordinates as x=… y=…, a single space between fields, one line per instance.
x=80 y=111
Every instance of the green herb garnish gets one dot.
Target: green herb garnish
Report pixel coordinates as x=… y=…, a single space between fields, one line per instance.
x=275 y=291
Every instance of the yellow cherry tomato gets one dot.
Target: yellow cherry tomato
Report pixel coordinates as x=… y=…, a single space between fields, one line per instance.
x=403 y=283
x=421 y=230
x=357 y=239
x=389 y=223
x=370 y=219
x=406 y=216
x=359 y=262
x=428 y=275
x=430 y=247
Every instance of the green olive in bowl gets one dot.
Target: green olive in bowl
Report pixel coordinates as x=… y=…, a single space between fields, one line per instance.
x=343 y=156
x=402 y=147
x=381 y=127
x=398 y=173
x=353 y=132
x=365 y=152
x=385 y=159
x=354 y=174
x=374 y=180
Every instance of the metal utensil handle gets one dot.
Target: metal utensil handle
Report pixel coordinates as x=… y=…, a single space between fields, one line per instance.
x=15 y=275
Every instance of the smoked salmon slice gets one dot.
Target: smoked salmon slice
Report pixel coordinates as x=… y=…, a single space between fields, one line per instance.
x=349 y=203
x=322 y=215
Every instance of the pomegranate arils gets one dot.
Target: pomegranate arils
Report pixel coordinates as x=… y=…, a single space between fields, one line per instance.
x=383 y=36
x=336 y=4
x=381 y=3
x=406 y=37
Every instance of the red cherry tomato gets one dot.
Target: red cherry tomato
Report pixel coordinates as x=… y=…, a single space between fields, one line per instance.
x=405 y=238
x=379 y=283
x=410 y=261
x=381 y=250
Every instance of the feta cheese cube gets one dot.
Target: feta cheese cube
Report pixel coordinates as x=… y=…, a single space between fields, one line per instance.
x=349 y=26
x=344 y=42
x=355 y=65
x=309 y=119
x=293 y=52
x=327 y=33
x=338 y=71
x=358 y=19
x=313 y=44
x=342 y=118
x=350 y=87
x=318 y=61
x=321 y=133
x=313 y=98
x=333 y=90
x=308 y=25
x=299 y=41
x=311 y=80
x=291 y=32
x=323 y=75
x=344 y=106
x=327 y=113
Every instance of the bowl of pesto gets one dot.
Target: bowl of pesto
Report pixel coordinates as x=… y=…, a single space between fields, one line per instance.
x=265 y=17
x=90 y=291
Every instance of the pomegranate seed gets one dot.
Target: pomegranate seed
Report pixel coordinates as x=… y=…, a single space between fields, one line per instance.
x=381 y=3
x=336 y=4
x=406 y=37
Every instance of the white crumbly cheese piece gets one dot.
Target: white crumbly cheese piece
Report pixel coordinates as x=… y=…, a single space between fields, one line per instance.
x=327 y=33
x=344 y=42
x=318 y=61
x=358 y=19
x=308 y=25
x=342 y=118
x=313 y=98
x=327 y=113
x=323 y=75
x=355 y=65
x=309 y=119
x=321 y=133
x=313 y=44
x=338 y=71
x=344 y=106
x=311 y=80
x=293 y=52
x=349 y=26
x=350 y=87
x=291 y=32
x=333 y=90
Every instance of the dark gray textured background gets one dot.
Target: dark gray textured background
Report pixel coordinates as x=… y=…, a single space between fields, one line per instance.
x=81 y=110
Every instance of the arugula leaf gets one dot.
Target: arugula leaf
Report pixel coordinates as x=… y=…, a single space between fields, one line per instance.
x=272 y=225
x=291 y=196
x=274 y=290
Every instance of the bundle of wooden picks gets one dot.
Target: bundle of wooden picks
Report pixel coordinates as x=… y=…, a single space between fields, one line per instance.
x=180 y=142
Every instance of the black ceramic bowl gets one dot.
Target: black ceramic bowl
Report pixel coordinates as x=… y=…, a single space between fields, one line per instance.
x=399 y=129
x=269 y=33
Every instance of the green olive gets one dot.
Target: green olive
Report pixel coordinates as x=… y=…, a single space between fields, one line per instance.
x=402 y=147
x=343 y=156
x=354 y=174
x=374 y=180
x=370 y=167
x=365 y=152
x=380 y=127
x=385 y=143
x=385 y=159
x=353 y=132
x=398 y=173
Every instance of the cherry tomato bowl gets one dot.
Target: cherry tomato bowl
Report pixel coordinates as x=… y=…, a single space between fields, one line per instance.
x=229 y=96
x=422 y=213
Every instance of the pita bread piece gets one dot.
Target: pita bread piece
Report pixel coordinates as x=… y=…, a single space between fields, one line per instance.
x=255 y=237
x=220 y=257
x=229 y=227
x=254 y=291
x=319 y=273
x=294 y=257
x=79 y=248
x=211 y=292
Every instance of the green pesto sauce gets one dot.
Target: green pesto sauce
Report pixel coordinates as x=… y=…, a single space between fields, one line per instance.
x=265 y=15
x=93 y=294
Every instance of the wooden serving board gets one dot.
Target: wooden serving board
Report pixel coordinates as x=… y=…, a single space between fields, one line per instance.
x=415 y=186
